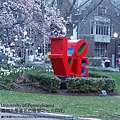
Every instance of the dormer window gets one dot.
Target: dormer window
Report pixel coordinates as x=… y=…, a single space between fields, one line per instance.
x=101 y=11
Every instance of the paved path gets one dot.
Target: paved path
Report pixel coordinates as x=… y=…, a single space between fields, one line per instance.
x=11 y=116
x=8 y=116
x=37 y=116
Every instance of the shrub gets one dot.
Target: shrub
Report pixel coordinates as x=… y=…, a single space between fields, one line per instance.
x=89 y=84
x=32 y=76
x=13 y=74
x=77 y=84
x=7 y=83
x=109 y=85
x=2 y=86
x=49 y=82
x=8 y=79
x=1 y=74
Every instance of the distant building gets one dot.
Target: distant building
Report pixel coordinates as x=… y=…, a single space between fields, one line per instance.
x=97 y=23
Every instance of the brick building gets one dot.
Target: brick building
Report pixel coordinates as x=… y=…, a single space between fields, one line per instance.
x=97 y=24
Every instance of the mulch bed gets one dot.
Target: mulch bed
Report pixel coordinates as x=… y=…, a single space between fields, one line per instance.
x=28 y=88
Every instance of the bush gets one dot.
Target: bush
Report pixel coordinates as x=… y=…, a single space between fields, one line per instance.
x=32 y=76
x=89 y=84
x=109 y=84
x=7 y=83
x=77 y=84
x=8 y=80
x=14 y=74
x=2 y=86
x=49 y=82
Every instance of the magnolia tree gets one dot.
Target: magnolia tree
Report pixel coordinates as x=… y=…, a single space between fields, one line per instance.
x=11 y=20
x=16 y=16
x=48 y=19
x=41 y=16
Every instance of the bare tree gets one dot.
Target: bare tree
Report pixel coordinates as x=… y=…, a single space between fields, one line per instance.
x=74 y=11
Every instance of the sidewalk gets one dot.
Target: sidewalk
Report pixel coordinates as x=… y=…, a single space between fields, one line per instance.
x=12 y=116
x=37 y=116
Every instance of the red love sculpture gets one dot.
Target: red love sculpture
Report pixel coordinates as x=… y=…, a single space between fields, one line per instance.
x=67 y=57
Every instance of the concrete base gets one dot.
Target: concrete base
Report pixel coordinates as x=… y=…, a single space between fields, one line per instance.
x=63 y=82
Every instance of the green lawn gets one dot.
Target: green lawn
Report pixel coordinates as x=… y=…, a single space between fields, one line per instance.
x=100 y=106
x=92 y=106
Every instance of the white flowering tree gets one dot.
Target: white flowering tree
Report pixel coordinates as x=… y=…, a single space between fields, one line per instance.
x=39 y=19
x=16 y=16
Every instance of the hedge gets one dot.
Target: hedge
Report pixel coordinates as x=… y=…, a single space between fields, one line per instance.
x=47 y=82
x=50 y=82
x=94 y=83
x=90 y=84
x=33 y=76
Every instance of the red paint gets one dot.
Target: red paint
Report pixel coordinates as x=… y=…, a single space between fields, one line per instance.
x=67 y=57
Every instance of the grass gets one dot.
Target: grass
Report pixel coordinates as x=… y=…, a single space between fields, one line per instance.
x=116 y=76
x=83 y=106
x=92 y=106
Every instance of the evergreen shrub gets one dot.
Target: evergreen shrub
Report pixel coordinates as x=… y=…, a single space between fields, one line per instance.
x=49 y=82
x=90 y=84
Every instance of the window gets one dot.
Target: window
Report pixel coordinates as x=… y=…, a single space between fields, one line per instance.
x=100 y=49
x=102 y=28
x=118 y=49
x=101 y=11
x=92 y=27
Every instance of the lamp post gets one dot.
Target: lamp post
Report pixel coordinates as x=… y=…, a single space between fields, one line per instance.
x=115 y=36
x=44 y=38
x=26 y=41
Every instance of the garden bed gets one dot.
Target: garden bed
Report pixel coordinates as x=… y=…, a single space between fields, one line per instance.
x=28 y=88
x=35 y=81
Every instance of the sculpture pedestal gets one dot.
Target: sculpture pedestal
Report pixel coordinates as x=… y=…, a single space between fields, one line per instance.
x=63 y=82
